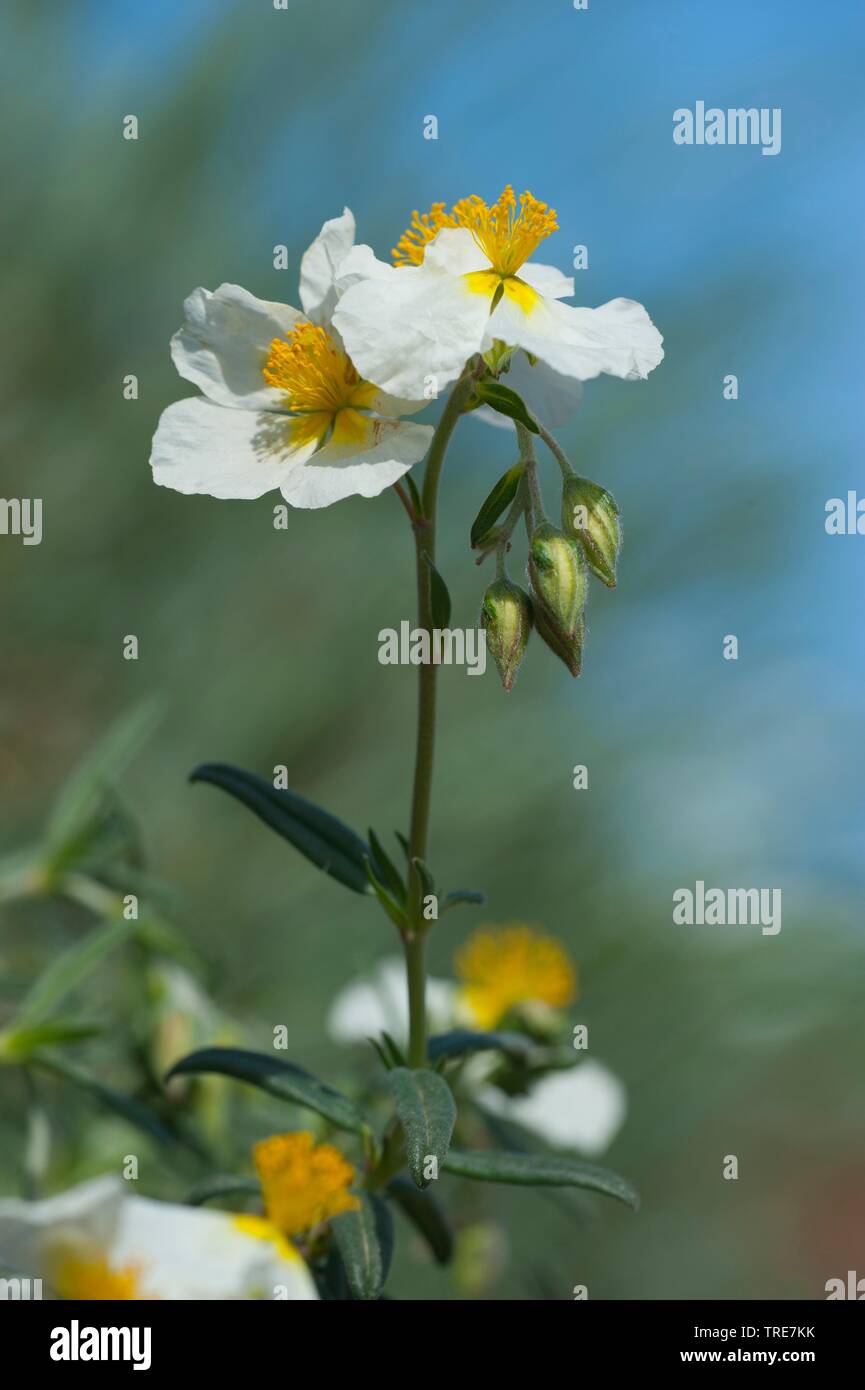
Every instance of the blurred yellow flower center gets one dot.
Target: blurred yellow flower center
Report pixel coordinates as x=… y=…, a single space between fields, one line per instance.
x=506 y=234
x=92 y=1279
x=515 y=965
x=320 y=382
x=304 y=1183
x=261 y=1229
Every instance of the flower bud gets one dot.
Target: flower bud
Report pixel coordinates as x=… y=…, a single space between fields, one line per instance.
x=506 y=617
x=590 y=516
x=557 y=571
x=568 y=649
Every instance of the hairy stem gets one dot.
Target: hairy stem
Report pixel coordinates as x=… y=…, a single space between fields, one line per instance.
x=425 y=539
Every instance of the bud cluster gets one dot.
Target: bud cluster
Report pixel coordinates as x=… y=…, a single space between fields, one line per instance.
x=558 y=566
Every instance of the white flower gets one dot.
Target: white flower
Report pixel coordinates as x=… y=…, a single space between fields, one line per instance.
x=97 y=1241
x=283 y=405
x=580 y=1108
x=463 y=283
x=378 y=1002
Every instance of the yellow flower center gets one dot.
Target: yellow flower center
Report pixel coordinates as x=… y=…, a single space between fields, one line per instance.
x=502 y=969
x=506 y=234
x=304 y=1183
x=321 y=384
x=261 y=1229
x=93 y=1278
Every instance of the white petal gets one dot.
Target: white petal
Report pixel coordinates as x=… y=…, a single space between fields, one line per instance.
x=379 y=1003
x=618 y=338
x=319 y=266
x=454 y=251
x=362 y=469
x=224 y=344
x=548 y=280
x=189 y=1253
x=200 y=447
x=411 y=328
x=582 y=1108
x=361 y=263
x=551 y=397
x=88 y=1213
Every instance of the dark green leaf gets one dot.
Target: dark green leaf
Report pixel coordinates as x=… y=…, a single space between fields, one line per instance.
x=539 y=1170
x=278 y=1078
x=501 y=496
x=461 y=897
x=426 y=1214
x=394 y=1052
x=463 y=1041
x=384 y=868
x=506 y=402
x=424 y=873
x=365 y=1242
x=427 y=1112
x=380 y=1053
x=440 y=599
x=326 y=841
x=130 y=1109
x=416 y=502
x=210 y=1188
x=394 y=909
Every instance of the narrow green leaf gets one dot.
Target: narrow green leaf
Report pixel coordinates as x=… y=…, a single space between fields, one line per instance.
x=17 y=1044
x=461 y=897
x=440 y=599
x=427 y=1112
x=130 y=1109
x=539 y=1170
x=221 y=1186
x=384 y=868
x=380 y=1053
x=81 y=796
x=461 y=1042
x=424 y=873
x=415 y=495
x=365 y=1242
x=326 y=841
x=278 y=1078
x=394 y=910
x=69 y=969
x=506 y=402
x=426 y=1215
x=492 y=507
x=393 y=1050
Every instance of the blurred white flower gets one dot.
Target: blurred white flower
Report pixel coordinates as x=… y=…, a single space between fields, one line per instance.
x=378 y=1002
x=580 y=1108
x=97 y=1241
x=283 y=405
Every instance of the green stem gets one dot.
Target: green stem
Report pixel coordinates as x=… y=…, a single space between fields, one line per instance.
x=556 y=450
x=425 y=539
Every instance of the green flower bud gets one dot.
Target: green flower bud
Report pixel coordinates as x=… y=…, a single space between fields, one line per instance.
x=506 y=617
x=557 y=570
x=590 y=516
x=568 y=649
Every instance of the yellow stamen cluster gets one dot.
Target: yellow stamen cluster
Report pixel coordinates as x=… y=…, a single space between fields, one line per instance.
x=314 y=373
x=424 y=228
x=506 y=234
x=511 y=966
x=304 y=1183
